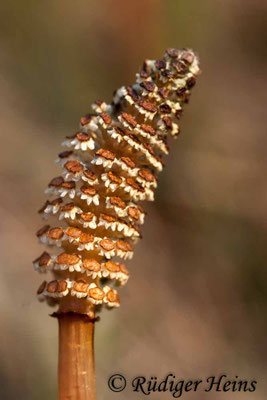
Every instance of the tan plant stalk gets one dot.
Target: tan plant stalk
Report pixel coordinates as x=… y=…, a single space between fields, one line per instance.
x=76 y=367
x=110 y=165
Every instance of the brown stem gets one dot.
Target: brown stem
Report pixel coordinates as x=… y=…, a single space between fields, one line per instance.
x=76 y=367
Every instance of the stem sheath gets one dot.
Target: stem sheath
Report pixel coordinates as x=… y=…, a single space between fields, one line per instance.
x=76 y=367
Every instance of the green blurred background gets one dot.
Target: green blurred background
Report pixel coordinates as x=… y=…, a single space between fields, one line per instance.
x=196 y=301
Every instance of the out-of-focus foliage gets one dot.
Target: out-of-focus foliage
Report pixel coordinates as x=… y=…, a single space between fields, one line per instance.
x=196 y=301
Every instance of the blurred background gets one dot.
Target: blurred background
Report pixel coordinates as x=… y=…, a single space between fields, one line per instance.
x=196 y=301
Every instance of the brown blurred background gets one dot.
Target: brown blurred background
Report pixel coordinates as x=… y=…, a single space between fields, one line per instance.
x=196 y=301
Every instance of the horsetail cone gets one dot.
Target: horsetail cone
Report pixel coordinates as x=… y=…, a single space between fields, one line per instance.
x=108 y=167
